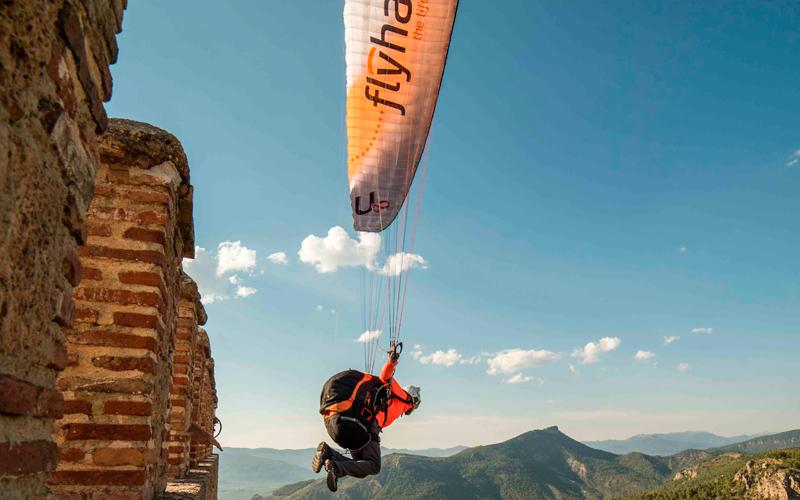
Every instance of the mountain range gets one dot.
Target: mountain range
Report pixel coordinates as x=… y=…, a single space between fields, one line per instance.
x=247 y=471
x=538 y=464
x=666 y=444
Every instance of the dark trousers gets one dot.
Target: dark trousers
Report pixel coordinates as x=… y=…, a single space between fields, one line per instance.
x=365 y=462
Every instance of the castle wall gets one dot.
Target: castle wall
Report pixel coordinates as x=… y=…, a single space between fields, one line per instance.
x=116 y=384
x=54 y=77
x=106 y=379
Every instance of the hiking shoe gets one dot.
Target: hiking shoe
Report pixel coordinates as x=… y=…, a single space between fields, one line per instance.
x=332 y=479
x=323 y=453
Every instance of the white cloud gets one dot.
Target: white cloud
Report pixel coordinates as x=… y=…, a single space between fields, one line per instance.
x=216 y=287
x=668 y=339
x=368 y=336
x=682 y=367
x=683 y=249
x=337 y=249
x=278 y=258
x=444 y=358
x=644 y=355
x=514 y=360
x=591 y=351
x=794 y=159
x=574 y=370
x=519 y=379
x=233 y=256
x=402 y=261
x=706 y=330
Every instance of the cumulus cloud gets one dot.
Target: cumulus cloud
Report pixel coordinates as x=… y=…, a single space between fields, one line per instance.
x=644 y=355
x=214 y=271
x=794 y=159
x=514 y=360
x=338 y=249
x=519 y=379
x=668 y=339
x=369 y=336
x=590 y=353
x=402 y=261
x=682 y=367
x=245 y=291
x=233 y=256
x=278 y=258
x=447 y=358
x=706 y=330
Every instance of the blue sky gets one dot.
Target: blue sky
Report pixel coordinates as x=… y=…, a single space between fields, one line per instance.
x=620 y=171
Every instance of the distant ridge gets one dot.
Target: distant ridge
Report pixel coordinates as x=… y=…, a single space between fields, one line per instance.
x=788 y=439
x=666 y=444
x=540 y=464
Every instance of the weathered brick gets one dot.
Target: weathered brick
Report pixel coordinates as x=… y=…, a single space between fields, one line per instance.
x=18 y=397
x=181 y=358
x=104 y=190
x=98 y=229
x=146 y=256
x=113 y=432
x=86 y=315
x=92 y=274
x=150 y=217
x=135 y=320
x=179 y=402
x=121 y=363
x=50 y=404
x=148 y=196
x=140 y=278
x=71 y=454
x=120 y=456
x=28 y=457
x=147 y=235
x=72 y=406
x=136 y=408
x=99 y=477
x=113 y=339
x=122 y=297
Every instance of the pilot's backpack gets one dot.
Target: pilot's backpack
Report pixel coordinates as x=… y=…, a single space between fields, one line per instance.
x=348 y=403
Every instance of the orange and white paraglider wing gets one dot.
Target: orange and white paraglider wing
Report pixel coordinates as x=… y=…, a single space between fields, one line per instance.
x=396 y=52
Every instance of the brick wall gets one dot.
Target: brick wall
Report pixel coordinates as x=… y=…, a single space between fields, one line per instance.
x=191 y=314
x=116 y=383
x=204 y=395
x=105 y=374
x=54 y=77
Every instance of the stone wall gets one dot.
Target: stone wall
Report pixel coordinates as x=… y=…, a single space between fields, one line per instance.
x=105 y=374
x=54 y=77
x=191 y=314
x=117 y=380
x=204 y=395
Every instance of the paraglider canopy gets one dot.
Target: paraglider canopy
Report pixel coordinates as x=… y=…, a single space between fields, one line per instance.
x=395 y=55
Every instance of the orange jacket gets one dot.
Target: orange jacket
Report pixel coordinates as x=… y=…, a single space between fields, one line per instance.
x=399 y=403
